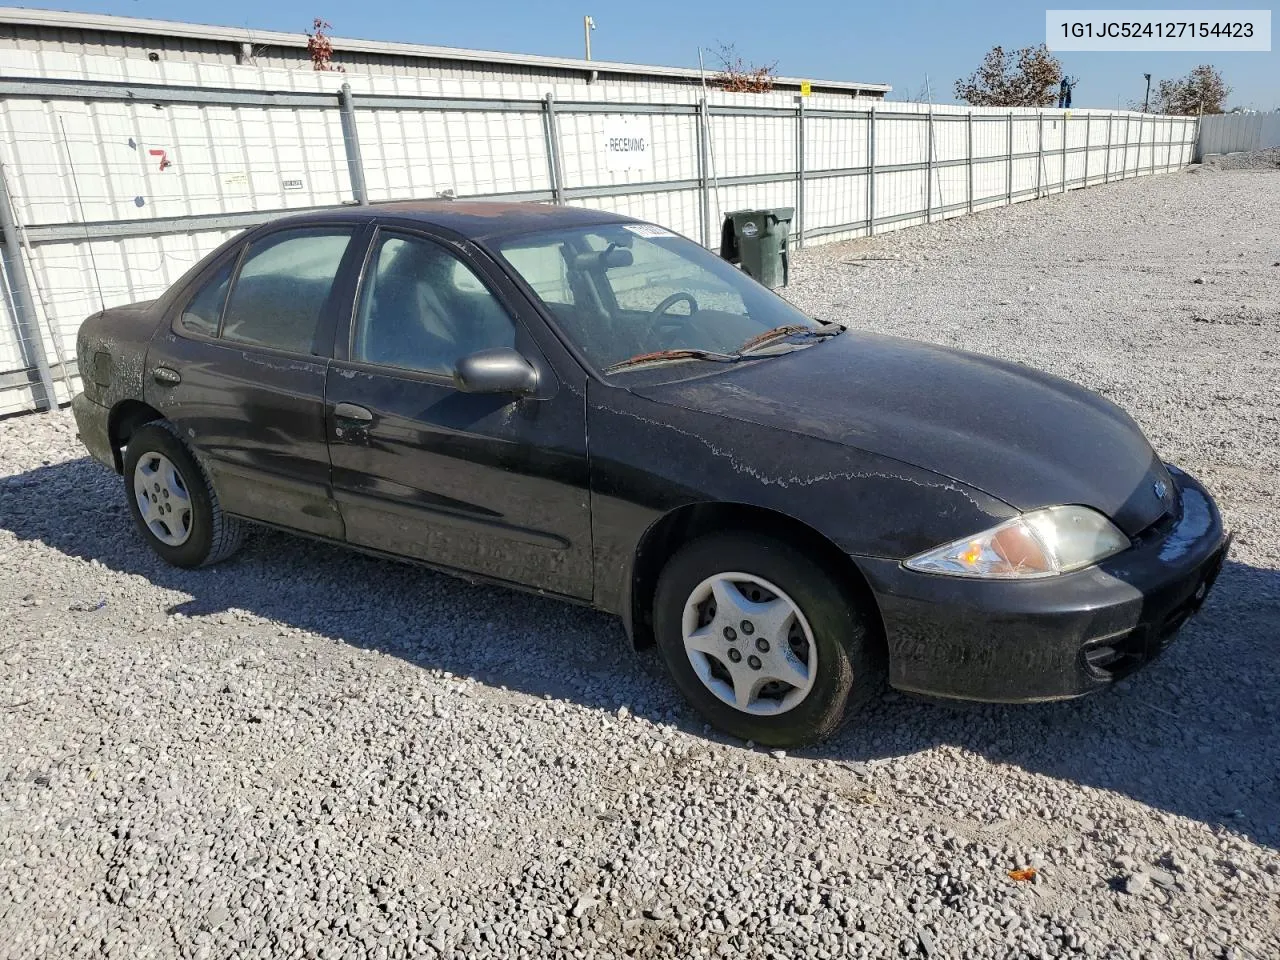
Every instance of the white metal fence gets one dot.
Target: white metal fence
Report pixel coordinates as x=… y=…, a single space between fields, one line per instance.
x=1237 y=132
x=117 y=179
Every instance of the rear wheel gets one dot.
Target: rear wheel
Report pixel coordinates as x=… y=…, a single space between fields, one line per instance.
x=763 y=640
x=172 y=501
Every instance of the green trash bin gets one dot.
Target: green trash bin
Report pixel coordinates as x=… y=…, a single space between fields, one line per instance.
x=757 y=239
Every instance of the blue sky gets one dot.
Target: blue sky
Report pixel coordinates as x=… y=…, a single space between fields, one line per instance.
x=889 y=42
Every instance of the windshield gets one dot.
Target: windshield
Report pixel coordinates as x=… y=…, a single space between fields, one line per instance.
x=626 y=290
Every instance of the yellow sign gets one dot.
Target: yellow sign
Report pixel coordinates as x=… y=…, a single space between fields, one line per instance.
x=806 y=88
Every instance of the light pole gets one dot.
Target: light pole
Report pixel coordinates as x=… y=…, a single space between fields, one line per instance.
x=587 y=26
x=1146 y=100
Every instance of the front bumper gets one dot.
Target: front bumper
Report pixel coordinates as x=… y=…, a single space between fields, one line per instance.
x=1017 y=641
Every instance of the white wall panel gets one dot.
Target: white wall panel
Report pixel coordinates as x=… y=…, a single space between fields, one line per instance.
x=835 y=144
x=950 y=138
x=744 y=146
x=835 y=201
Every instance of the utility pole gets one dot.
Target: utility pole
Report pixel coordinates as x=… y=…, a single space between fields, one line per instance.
x=587 y=26
x=1146 y=100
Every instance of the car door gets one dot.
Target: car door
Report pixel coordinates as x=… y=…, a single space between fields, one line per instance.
x=240 y=370
x=493 y=484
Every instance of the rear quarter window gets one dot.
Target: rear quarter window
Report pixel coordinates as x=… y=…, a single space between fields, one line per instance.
x=203 y=312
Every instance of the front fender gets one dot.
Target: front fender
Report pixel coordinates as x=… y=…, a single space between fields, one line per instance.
x=649 y=458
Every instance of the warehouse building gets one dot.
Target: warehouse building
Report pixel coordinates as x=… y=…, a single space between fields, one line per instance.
x=166 y=40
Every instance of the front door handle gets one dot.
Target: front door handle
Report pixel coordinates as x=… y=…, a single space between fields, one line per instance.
x=351 y=422
x=356 y=414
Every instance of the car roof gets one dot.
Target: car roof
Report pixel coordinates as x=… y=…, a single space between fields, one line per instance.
x=474 y=219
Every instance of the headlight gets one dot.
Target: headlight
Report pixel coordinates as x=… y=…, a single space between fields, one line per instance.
x=1042 y=543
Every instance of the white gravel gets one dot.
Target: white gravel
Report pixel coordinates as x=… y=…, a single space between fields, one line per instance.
x=1268 y=159
x=308 y=753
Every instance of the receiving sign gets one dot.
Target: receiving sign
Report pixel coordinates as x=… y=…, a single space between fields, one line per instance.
x=628 y=143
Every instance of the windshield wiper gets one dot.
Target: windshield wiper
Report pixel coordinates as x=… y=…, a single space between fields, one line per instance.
x=787 y=330
x=659 y=355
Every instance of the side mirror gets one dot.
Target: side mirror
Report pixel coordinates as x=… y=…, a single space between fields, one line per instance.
x=499 y=370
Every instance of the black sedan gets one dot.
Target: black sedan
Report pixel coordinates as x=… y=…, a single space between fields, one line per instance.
x=592 y=407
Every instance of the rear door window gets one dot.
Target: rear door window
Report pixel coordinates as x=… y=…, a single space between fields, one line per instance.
x=283 y=286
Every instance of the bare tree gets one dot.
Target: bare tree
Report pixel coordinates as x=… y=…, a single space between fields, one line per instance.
x=738 y=76
x=320 y=47
x=1201 y=91
x=1028 y=77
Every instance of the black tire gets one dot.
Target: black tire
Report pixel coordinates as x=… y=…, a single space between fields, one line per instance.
x=214 y=536
x=850 y=662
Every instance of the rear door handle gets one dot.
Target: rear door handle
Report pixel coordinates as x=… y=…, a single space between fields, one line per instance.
x=356 y=414
x=164 y=375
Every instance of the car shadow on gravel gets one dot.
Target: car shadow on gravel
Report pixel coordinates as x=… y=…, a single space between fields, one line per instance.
x=1193 y=735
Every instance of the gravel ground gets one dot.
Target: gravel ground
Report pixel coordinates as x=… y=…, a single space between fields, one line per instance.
x=1256 y=160
x=308 y=753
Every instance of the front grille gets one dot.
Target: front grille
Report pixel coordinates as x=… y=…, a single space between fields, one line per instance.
x=1161 y=526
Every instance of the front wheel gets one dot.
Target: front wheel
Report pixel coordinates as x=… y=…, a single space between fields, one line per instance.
x=763 y=640
x=172 y=501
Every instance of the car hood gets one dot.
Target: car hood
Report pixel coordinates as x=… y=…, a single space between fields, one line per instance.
x=1026 y=437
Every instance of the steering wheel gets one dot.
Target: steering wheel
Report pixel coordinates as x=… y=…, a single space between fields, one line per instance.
x=660 y=320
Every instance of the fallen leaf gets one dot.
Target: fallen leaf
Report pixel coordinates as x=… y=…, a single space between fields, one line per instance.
x=1026 y=873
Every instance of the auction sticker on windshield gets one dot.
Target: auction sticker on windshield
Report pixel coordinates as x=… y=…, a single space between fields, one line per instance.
x=647 y=230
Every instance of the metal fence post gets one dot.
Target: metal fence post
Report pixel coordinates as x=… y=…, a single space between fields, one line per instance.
x=1106 y=157
x=1039 y=149
x=552 y=131
x=1142 y=136
x=1142 y=132
x=1088 y=145
x=1142 y=142
x=1124 y=157
x=1065 y=122
x=1154 y=123
x=703 y=193
x=1137 y=160
x=30 y=342
x=928 y=167
x=871 y=173
x=799 y=172
x=968 y=118
x=1008 y=173
x=351 y=141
